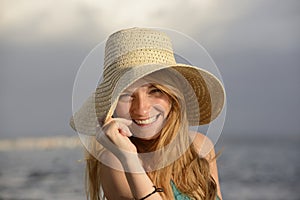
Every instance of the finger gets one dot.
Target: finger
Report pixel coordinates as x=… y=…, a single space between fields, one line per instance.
x=103 y=139
x=124 y=126
x=124 y=130
x=106 y=142
x=120 y=124
x=127 y=122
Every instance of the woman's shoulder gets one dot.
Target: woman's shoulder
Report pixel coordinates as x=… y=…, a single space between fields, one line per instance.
x=202 y=143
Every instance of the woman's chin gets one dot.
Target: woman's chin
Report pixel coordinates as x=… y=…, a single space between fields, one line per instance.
x=146 y=136
x=148 y=131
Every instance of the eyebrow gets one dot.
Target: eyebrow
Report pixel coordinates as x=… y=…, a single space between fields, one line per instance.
x=145 y=85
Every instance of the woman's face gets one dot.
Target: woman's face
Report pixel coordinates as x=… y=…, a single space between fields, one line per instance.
x=147 y=106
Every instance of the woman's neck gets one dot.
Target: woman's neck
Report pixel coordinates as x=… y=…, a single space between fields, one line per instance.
x=145 y=145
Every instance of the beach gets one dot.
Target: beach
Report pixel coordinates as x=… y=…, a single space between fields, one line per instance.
x=249 y=168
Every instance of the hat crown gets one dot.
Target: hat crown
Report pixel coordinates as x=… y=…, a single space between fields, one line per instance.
x=138 y=46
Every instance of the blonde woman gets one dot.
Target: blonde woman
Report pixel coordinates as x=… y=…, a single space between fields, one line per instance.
x=136 y=126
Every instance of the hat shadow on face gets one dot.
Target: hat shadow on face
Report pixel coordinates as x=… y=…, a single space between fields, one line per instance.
x=131 y=54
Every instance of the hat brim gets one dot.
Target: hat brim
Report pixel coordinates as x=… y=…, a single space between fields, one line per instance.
x=207 y=88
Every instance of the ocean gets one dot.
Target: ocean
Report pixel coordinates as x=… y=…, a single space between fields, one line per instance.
x=250 y=168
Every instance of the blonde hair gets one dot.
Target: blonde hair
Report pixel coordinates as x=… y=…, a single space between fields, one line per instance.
x=190 y=172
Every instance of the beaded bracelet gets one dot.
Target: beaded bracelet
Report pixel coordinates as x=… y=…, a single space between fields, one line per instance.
x=156 y=189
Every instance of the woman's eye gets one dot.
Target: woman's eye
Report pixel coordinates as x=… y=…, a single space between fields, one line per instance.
x=155 y=91
x=125 y=97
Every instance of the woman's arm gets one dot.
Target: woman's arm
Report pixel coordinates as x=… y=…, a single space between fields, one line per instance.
x=130 y=181
x=205 y=148
x=120 y=185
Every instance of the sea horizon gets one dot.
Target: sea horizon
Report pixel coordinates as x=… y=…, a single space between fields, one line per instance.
x=251 y=168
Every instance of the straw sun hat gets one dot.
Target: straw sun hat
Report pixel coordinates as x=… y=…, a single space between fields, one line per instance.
x=134 y=53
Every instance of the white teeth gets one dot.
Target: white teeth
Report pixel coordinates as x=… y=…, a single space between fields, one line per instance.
x=147 y=121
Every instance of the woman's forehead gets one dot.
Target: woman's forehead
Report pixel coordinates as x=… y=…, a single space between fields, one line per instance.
x=139 y=83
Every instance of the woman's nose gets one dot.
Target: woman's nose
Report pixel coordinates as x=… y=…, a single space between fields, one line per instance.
x=141 y=106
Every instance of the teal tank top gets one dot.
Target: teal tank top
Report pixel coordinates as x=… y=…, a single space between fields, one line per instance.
x=179 y=196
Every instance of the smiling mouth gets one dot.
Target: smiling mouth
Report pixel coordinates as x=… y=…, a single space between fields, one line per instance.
x=146 y=121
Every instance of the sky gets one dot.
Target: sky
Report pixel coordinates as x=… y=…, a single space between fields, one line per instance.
x=254 y=43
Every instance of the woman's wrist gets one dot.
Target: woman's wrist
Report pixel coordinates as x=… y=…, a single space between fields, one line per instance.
x=156 y=189
x=132 y=163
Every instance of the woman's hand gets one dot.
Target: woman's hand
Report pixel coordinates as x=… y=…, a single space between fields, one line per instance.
x=114 y=137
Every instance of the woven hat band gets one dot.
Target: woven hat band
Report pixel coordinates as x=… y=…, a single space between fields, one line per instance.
x=140 y=57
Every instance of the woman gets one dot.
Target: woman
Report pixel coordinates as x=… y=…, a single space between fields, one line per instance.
x=136 y=126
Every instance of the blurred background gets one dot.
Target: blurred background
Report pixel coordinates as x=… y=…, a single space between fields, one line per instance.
x=255 y=44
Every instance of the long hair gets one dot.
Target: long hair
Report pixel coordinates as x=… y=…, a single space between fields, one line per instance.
x=189 y=172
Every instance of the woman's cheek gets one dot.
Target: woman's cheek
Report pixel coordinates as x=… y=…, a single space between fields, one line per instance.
x=122 y=110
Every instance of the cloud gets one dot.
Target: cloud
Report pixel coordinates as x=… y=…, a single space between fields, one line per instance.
x=33 y=20
x=235 y=23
